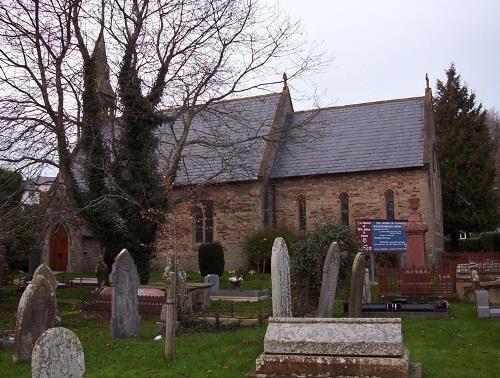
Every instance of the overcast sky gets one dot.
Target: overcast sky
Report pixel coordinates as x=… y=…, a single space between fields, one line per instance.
x=382 y=49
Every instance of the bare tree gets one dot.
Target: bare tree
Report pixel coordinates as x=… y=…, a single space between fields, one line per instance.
x=180 y=55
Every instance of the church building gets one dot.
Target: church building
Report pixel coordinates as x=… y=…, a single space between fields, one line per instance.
x=254 y=162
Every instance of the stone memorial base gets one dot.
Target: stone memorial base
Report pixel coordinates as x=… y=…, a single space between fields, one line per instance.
x=270 y=365
x=330 y=347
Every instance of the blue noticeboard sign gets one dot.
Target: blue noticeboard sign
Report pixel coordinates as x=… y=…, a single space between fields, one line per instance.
x=388 y=236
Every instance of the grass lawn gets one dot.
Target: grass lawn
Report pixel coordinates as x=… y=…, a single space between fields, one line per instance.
x=462 y=346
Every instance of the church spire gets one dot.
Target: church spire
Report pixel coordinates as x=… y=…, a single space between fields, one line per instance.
x=103 y=84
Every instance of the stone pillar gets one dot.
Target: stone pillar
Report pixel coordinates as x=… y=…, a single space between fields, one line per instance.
x=415 y=230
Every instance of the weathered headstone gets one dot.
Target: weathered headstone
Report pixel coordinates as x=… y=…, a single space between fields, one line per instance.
x=356 y=291
x=329 y=279
x=280 y=280
x=57 y=354
x=483 y=303
x=125 y=319
x=102 y=274
x=36 y=313
x=367 y=293
x=214 y=280
x=45 y=271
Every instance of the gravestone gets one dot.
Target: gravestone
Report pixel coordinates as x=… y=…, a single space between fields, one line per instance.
x=57 y=354
x=102 y=274
x=367 y=293
x=214 y=280
x=483 y=304
x=125 y=319
x=36 y=313
x=312 y=347
x=280 y=280
x=45 y=271
x=356 y=291
x=329 y=279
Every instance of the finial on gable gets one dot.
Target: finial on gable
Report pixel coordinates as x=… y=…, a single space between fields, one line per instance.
x=285 y=79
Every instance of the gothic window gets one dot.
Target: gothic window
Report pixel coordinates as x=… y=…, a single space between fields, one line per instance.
x=344 y=209
x=389 y=204
x=204 y=222
x=301 y=202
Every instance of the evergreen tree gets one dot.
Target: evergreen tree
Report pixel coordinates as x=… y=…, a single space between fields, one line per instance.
x=464 y=145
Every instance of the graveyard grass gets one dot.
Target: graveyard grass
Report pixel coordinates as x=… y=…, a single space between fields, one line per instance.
x=462 y=346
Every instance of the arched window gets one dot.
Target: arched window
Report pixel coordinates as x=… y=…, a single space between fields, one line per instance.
x=204 y=222
x=344 y=208
x=389 y=204
x=301 y=203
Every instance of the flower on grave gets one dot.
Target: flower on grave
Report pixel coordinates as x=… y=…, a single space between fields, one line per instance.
x=251 y=272
x=236 y=280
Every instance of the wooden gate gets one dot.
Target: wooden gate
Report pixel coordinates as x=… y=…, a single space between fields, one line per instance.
x=58 y=248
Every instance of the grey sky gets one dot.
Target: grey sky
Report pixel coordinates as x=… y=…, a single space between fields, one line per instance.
x=382 y=49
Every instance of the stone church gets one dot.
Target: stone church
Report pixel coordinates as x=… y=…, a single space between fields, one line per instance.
x=255 y=162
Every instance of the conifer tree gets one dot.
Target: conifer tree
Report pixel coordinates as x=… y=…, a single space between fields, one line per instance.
x=464 y=145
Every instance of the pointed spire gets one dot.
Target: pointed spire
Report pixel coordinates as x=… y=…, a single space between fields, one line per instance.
x=102 y=70
x=285 y=79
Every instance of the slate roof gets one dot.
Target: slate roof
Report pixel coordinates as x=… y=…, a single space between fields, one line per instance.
x=353 y=138
x=226 y=141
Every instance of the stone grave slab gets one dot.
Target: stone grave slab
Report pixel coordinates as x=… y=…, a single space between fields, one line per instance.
x=280 y=279
x=329 y=280
x=57 y=354
x=335 y=336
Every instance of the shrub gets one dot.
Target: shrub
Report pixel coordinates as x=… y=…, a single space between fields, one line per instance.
x=211 y=259
x=490 y=241
x=258 y=246
x=308 y=256
x=469 y=245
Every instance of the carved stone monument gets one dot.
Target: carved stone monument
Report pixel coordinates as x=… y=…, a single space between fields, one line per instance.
x=57 y=353
x=329 y=279
x=280 y=280
x=415 y=230
x=356 y=291
x=36 y=313
x=125 y=319
x=312 y=347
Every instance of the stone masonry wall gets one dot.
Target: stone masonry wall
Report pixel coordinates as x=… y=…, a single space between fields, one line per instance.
x=366 y=199
x=237 y=214
x=238 y=207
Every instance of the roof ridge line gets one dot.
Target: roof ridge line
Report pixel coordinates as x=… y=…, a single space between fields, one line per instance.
x=319 y=109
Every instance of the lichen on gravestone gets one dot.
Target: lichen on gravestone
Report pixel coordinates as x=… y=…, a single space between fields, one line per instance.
x=356 y=291
x=35 y=314
x=58 y=353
